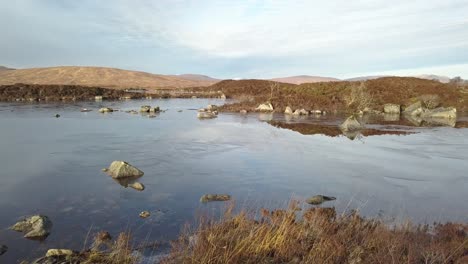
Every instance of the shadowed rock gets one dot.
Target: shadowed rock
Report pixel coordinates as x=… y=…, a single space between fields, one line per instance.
x=215 y=198
x=319 y=199
x=3 y=249
x=34 y=227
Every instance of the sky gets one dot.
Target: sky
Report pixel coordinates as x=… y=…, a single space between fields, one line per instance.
x=241 y=38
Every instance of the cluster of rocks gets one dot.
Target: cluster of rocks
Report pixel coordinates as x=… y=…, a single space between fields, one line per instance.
x=209 y=112
x=149 y=109
x=34 y=227
x=298 y=112
x=418 y=112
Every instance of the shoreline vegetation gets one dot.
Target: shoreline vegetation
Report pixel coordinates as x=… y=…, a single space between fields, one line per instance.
x=339 y=96
x=292 y=235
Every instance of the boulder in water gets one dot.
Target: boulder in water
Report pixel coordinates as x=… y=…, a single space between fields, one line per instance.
x=415 y=109
x=243 y=111
x=121 y=169
x=106 y=110
x=145 y=108
x=59 y=252
x=267 y=107
x=440 y=112
x=319 y=199
x=34 y=227
x=145 y=214
x=206 y=115
x=288 y=111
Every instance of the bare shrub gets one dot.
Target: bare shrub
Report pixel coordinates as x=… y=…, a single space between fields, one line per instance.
x=430 y=101
x=359 y=97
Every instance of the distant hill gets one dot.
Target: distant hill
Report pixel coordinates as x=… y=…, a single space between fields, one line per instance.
x=98 y=76
x=196 y=77
x=3 y=68
x=304 y=79
x=365 y=78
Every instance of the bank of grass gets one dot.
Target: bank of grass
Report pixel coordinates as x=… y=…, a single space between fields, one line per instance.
x=318 y=235
x=338 y=96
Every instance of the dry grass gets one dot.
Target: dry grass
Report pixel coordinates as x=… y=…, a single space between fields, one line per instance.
x=317 y=235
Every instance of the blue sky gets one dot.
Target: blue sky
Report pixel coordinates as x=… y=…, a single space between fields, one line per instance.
x=240 y=39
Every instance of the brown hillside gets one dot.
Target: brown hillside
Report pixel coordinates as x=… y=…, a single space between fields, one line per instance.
x=97 y=76
x=339 y=96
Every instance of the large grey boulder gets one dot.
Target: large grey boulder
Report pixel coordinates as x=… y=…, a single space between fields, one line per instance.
x=392 y=109
x=121 y=169
x=34 y=227
x=415 y=109
x=288 y=111
x=265 y=107
x=351 y=124
x=440 y=112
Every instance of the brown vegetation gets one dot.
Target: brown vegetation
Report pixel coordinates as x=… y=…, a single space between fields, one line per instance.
x=98 y=76
x=338 y=96
x=318 y=235
x=30 y=92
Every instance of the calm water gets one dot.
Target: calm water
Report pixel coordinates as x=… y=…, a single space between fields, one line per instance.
x=52 y=166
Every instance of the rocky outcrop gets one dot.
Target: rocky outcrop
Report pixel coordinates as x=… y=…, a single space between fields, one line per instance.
x=34 y=227
x=351 y=124
x=266 y=107
x=288 y=111
x=215 y=197
x=392 y=109
x=106 y=110
x=121 y=169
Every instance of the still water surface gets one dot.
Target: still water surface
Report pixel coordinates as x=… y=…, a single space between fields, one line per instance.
x=52 y=166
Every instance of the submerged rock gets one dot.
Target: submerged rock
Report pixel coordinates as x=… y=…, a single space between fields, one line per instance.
x=3 y=249
x=106 y=110
x=145 y=214
x=137 y=186
x=265 y=107
x=351 y=124
x=392 y=108
x=215 y=198
x=57 y=116
x=131 y=112
x=319 y=199
x=85 y=110
x=288 y=111
x=206 y=115
x=59 y=252
x=34 y=227
x=122 y=169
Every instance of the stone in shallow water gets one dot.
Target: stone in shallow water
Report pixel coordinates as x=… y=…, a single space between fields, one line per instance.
x=319 y=199
x=265 y=107
x=215 y=198
x=106 y=110
x=351 y=124
x=34 y=227
x=122 y=169
x=59 y=252
x=206 y=115
x=145 y=214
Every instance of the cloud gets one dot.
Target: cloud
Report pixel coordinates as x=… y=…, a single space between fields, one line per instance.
x=249 y=38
